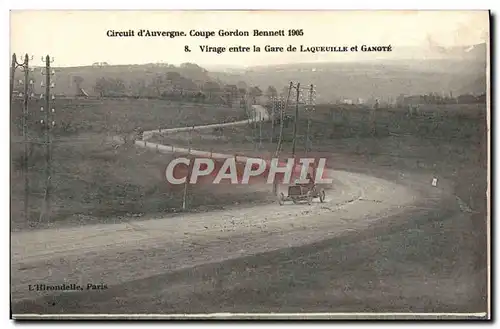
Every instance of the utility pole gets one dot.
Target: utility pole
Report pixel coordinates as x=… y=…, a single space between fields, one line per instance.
x=12 y=73
x=25 y=69
x=188 y=176
x=184 y=196
x=273 y=105
x=282 y=119
x=282 y=109
x=254 y=132
x=25 y=137
x=47 y=124
x=310 y=108
x=296 y=119
x=260 y=130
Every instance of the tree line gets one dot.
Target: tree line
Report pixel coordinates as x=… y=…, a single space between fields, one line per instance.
x=435 y=98
x=174 y=86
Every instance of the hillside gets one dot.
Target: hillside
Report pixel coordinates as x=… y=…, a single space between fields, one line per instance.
x=366 y=80
x=191 y=76
x=459 y=70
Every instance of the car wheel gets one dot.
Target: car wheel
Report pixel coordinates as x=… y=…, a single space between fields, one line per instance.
x=309 y=198
x=281 y=199
x=322 y=195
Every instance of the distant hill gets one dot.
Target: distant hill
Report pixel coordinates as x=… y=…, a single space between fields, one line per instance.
x=477 y=86
x=459 y=70
x=364 y=80
x=435 y=69
x=69 y=80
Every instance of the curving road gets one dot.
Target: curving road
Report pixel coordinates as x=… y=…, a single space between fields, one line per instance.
x=115 y=253
x=259 y=113
x=118 y=253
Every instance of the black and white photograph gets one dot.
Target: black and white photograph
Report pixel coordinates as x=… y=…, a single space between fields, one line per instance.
x=204 y=164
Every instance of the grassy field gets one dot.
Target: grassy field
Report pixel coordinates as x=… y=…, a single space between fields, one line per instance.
x=94 y=178
x=76 y=116
x=356 y=131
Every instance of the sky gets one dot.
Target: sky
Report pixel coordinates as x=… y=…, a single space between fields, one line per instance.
x=77 y=38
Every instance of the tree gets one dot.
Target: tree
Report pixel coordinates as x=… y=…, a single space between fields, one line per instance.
x=138 y=88
x=211 y=87
x=242 y=85
x=109 y=87
x=173 y=76
x=100 y=86
x=78 y=80
x=242 y=92
x=271 y=92
x=156 y=85
x=172 y=82
x=231 y=92
x=188 y=84
x=193 y=71
x=242 y=89
x=117 y=86
x=255 y=92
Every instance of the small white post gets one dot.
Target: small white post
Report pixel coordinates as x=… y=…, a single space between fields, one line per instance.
x=184 y=196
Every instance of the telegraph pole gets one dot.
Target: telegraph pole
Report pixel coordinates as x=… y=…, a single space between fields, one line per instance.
x=373 y=114
x=48 y=156
x=26 y=69
x=254 y=132
x=12 y=73
x=25 y=136
x=188 y=176
x=282 y=119
x=310 y=108
x=282 y=109
x=296 y=119
x=273 y=105
x=47 y=123
x=260 y=130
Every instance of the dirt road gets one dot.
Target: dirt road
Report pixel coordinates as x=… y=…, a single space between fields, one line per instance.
x=114 y=253
x=405 y=254
x=258 y=111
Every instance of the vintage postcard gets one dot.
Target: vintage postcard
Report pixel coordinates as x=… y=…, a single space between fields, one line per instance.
x=250 y=164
